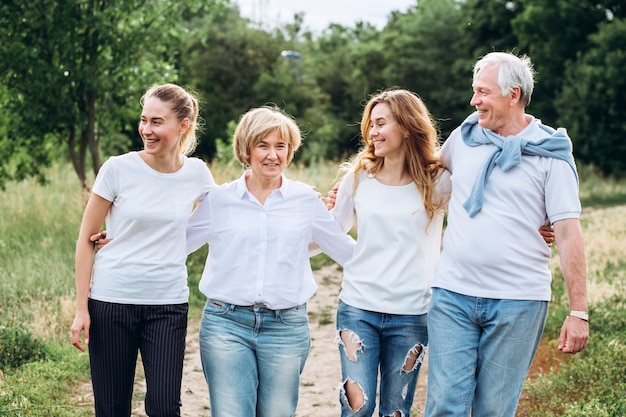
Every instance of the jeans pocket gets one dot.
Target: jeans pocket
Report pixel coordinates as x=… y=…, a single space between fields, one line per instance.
x=216 y=307
x=296 y=316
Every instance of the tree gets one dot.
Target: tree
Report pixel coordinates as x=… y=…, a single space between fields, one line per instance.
x=592 y=104
x=486 y=26
x=552 y=33
x=341 y=65
x=76 y=69
x=422 y=49
x=224 y=59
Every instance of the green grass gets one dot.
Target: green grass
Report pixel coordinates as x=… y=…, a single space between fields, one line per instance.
x=593 y=382
x=47 y=388
x=39 y=225
x=599 y=191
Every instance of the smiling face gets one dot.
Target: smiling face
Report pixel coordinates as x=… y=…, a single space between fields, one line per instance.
x=269 y=156
x=494 y=110
x=385 y=133
x=160 y=129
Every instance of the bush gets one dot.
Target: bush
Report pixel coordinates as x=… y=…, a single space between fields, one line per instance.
x=18 y=346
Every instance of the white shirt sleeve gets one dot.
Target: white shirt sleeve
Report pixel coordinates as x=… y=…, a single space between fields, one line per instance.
x=199 y=226
x=328 y=235
x=344 y=211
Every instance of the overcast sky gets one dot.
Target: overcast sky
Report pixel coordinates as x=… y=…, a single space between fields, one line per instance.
x=318 y=14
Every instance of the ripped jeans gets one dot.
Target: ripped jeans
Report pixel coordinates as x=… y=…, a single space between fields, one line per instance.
x=368 y=341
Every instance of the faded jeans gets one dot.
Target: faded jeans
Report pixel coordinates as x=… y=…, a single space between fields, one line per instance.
x=480 y=352
x=252 y=358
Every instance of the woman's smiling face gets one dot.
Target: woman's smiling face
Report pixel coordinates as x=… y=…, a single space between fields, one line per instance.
x=268 y=158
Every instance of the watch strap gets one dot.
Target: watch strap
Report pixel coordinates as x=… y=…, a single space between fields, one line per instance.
x=583 y=315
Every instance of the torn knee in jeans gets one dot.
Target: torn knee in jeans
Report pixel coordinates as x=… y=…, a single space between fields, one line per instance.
x=350 y=342
x=354 y=396
x=413 y=358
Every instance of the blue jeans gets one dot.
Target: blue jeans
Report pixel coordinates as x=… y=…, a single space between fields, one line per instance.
x=480 y=352
x=252 y=358
x=368 y=341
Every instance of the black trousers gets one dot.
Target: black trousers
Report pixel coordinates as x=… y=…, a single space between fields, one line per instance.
x=117 y=333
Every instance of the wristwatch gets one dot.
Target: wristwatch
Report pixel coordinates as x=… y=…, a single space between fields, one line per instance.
x=583 y=315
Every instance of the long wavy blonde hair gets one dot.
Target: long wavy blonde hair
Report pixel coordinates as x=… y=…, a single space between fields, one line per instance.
x=421 y=144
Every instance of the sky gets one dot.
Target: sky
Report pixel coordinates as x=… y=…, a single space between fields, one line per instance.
x=321 y=13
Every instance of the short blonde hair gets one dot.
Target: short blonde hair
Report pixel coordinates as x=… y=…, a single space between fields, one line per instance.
x=257 y=124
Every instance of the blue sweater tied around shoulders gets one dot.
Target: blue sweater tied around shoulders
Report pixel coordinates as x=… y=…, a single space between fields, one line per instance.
x=508 y=153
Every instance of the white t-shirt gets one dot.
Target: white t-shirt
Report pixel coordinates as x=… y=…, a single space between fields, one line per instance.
x=499 y=253
x=396 y=251
x=145 y=261
x=259 y=254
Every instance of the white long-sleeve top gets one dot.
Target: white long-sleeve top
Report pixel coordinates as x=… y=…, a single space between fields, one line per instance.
x=259 y=254
x=397 y=248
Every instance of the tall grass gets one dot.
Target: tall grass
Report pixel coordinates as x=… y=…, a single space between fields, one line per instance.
x=38 y=230
x=39 y=225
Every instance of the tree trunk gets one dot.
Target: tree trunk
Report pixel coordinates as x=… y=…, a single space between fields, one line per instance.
x=93 y=139
x=78 y=159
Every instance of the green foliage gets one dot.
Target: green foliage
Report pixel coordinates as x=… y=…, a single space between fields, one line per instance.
x=599 y=190
x=76 y=70
x=412 y=63
x=597 y=374
x=487 y=25
x=553 y=49
x=45 y=388
x=71 y=73
x=18 y=346
x=38 y=230
x=593 y=100
x=223 y=60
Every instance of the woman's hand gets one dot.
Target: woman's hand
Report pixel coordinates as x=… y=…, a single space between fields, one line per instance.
x=99 y=240
x=81 y=324
x=332 y=197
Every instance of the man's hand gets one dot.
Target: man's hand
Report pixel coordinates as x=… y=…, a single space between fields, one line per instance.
x=332 y=197
x=547 y=233
x=574 y=335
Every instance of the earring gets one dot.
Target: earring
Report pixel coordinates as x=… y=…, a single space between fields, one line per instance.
x=406 y=135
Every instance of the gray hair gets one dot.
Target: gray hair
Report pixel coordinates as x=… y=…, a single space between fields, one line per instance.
x=514 y=71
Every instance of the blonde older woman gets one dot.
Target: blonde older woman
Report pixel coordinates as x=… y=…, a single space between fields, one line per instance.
x=254 y=334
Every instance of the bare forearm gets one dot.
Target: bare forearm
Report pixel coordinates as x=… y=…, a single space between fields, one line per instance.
x=83 y=268
x=569 y=240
